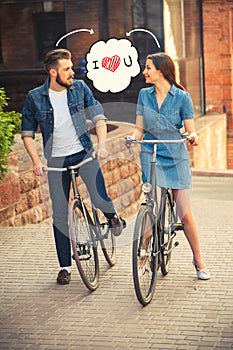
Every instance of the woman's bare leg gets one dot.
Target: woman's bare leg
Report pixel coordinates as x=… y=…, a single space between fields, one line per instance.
x=182 y=198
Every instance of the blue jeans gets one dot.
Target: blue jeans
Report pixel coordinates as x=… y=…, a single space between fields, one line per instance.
x=59 y=187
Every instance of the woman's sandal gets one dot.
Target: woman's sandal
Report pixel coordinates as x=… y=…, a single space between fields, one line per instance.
x=201 y=274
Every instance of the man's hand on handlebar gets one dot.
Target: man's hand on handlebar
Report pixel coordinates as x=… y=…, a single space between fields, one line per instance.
x=101 y=152
x=38 y=169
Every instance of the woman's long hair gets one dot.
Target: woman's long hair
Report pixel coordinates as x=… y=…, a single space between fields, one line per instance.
x=165 y=64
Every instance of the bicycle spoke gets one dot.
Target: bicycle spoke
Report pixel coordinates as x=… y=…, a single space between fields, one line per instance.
x=84 y=245
x=167 y=234
x=107 y=239
x=144 y=262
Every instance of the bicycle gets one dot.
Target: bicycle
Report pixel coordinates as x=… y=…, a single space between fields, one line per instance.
x=86 y=231
x=154 y=230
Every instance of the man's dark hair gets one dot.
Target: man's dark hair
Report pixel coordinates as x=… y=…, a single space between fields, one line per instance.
x=52 y=57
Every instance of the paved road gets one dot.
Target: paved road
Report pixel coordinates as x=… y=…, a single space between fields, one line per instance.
x=205 y=187
x=38 y=314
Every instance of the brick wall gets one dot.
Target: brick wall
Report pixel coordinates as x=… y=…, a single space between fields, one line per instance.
x=25 y=197
x=17 y=41
x=230 y=142
x=217 y=32
x=85 y=17
x=119 y=16
x=19 y=47
x=212 y=151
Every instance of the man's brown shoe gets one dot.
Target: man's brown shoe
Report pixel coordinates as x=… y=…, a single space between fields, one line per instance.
x=63 y=277
x=115 y=225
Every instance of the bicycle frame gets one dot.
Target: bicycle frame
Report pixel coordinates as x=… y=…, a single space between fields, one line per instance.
x=153 y=181
x=147 y=259
x=153 y=165
x=91 y=230
x=72 y=169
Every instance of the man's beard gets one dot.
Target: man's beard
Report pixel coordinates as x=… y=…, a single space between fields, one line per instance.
x=60 y=82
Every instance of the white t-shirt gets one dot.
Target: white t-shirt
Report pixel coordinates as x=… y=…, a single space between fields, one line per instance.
x=65 y=138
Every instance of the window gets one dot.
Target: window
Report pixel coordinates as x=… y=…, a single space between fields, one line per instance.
x=1 y=60
x=148 y=15
x=49 y=28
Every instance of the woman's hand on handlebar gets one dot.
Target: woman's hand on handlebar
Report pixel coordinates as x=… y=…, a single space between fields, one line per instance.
x=193 y=139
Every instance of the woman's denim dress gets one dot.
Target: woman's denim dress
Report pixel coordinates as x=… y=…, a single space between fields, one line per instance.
x=173 y=163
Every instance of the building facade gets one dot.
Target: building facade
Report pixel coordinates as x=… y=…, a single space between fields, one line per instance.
x=196 y=33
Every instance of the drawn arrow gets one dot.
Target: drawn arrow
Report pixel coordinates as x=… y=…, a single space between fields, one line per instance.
x=144 y=30
x=91 y=31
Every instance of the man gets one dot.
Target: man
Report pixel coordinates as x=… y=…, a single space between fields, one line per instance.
x=60 y=108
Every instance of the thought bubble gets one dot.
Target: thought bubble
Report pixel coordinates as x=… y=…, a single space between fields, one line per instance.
x=111 y=64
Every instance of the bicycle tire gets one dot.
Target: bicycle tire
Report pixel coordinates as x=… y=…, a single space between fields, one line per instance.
x=167 y=221
x=107 y=239
x=145 y=270
x=84 y=245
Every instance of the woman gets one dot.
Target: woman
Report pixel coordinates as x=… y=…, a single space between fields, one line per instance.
x=162 y=110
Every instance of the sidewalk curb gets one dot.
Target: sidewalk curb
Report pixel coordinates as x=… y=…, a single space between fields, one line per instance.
x=212 y=172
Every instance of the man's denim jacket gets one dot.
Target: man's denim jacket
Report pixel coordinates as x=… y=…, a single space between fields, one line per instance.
x=38 y=111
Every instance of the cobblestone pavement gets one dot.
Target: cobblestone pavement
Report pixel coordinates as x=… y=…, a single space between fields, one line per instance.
x=38 y=314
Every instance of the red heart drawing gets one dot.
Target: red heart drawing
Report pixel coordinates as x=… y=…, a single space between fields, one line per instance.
x=111 y=63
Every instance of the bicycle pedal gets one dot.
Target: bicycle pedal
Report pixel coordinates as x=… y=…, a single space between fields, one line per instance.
x=105 y=236
x=84 y=258
x=143 y=254
x=178 y=227
x=170 y=250
x=123 y=222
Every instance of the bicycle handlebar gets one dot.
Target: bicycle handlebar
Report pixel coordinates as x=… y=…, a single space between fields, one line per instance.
x=153 y=142
x=71 y=167
x=185 y=137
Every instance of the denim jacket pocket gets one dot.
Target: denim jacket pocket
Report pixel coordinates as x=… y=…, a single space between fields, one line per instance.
x=40 y=116
x=45 y=121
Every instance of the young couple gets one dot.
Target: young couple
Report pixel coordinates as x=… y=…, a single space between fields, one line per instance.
x=60 y=107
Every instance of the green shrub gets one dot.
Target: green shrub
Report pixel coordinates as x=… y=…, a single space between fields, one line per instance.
x=10 y=123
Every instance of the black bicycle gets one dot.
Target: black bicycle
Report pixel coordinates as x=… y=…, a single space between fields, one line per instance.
x=154 y=231
x=87 y=228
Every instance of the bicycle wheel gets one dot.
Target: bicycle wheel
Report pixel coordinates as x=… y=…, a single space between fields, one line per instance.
x=107 y=239
x=145 y=255
x=167 y=221
x=84 y=244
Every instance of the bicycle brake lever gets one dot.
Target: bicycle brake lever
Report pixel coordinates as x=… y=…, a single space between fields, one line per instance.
x=128 y=141
x=185 y=134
